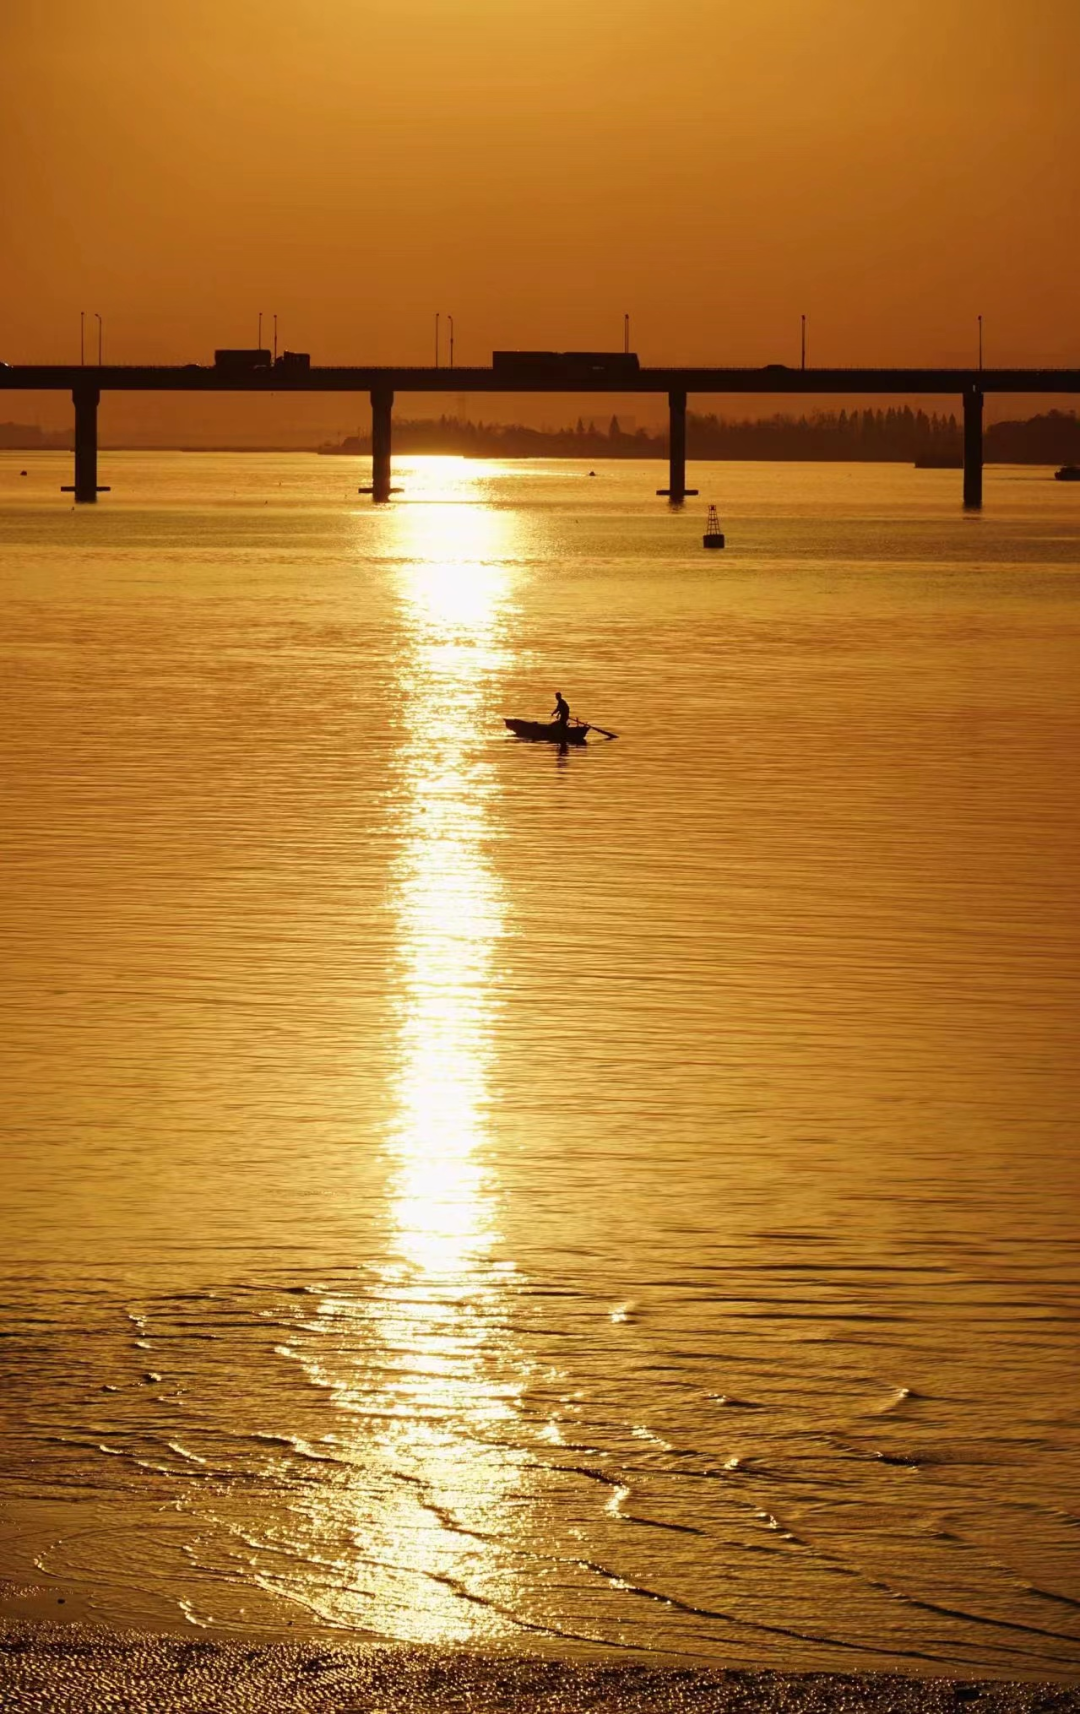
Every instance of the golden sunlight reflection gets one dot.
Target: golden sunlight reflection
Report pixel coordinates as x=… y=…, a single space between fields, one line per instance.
x=430 y=1389
x=456 y=1381
x=450 y=909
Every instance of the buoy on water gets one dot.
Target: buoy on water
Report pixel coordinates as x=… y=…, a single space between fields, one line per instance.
x=714 y=535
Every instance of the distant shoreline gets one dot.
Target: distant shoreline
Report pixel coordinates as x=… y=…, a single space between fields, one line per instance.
x=892 y=436
x=551 y=457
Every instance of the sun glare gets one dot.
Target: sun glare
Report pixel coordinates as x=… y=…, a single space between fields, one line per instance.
x=447 y=1378
x=423 y=1377
x=453 y=585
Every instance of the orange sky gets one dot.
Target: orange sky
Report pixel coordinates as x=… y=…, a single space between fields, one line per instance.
x=536 y=167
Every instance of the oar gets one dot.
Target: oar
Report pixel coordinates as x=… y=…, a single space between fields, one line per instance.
x=600 y=729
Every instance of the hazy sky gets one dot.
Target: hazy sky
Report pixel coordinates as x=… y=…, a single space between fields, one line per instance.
x=535 y=168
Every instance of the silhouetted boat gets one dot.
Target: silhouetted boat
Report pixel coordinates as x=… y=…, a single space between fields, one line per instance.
x=1068 y=473
x=550 y=732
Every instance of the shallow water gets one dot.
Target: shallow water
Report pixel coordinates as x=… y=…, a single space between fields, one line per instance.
x=460 y=1193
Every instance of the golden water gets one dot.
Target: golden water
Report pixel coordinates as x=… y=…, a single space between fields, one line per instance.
x=459 y=1192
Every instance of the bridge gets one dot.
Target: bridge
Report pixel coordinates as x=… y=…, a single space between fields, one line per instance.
x=568 y=374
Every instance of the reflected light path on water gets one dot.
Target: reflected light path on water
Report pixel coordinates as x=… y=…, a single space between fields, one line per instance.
x=438 y=1384
x=448 y=901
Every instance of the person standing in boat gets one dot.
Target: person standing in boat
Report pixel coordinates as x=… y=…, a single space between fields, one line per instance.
x=561 y=713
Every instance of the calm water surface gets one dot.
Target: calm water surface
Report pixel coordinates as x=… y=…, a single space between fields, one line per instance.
x=457 y=1192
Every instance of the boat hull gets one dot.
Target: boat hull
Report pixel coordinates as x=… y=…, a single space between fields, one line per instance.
x=544 y=732
x=1068 y=473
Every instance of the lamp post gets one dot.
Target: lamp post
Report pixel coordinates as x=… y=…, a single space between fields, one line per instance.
x=450 y=319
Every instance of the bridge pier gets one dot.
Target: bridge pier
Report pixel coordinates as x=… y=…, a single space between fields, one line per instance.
x=85 y=398
x=383 y=405
x=973 y=450
x=676 y=489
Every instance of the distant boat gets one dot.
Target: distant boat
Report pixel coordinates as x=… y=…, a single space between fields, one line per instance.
x=1068 y=473
x=544 y=731
x=714 y=535
x=940 y=461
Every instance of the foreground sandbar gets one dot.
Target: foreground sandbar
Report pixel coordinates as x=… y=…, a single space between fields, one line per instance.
x=78 y=1669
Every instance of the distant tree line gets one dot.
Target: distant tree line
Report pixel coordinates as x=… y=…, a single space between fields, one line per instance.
x=1053 y=438
x=896 y=434
x=873 y=436
x=27 y=437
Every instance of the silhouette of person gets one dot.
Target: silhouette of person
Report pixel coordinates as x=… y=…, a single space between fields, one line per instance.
x=561 y=713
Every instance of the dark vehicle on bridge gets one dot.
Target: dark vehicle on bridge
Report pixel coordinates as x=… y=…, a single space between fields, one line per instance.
x=240 y=362
x=583 y=365
x=293 y=362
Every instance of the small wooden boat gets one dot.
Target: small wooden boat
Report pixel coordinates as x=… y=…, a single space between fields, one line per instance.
x=1068 y=473
x=714 y=535
x=550 y=732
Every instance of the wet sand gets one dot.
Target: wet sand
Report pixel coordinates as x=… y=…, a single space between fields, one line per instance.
x=76 y=1669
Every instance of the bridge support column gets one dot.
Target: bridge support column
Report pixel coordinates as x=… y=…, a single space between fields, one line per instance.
x=973 y=449
x=382 y=405
x=86 y=408
x=676 y=489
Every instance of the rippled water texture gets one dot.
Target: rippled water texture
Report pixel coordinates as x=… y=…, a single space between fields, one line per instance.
x=461 y=1193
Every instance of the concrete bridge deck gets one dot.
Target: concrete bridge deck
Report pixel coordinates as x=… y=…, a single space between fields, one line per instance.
x=365 y=378
x=86 y=382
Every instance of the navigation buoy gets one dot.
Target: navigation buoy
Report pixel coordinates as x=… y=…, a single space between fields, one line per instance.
x=714 y=535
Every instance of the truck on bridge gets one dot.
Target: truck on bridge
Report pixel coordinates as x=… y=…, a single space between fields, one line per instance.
x=243 y=362
x=254 y=360
x=575 y=365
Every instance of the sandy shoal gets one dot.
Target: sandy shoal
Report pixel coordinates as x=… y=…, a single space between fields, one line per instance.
x=78 y=1669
